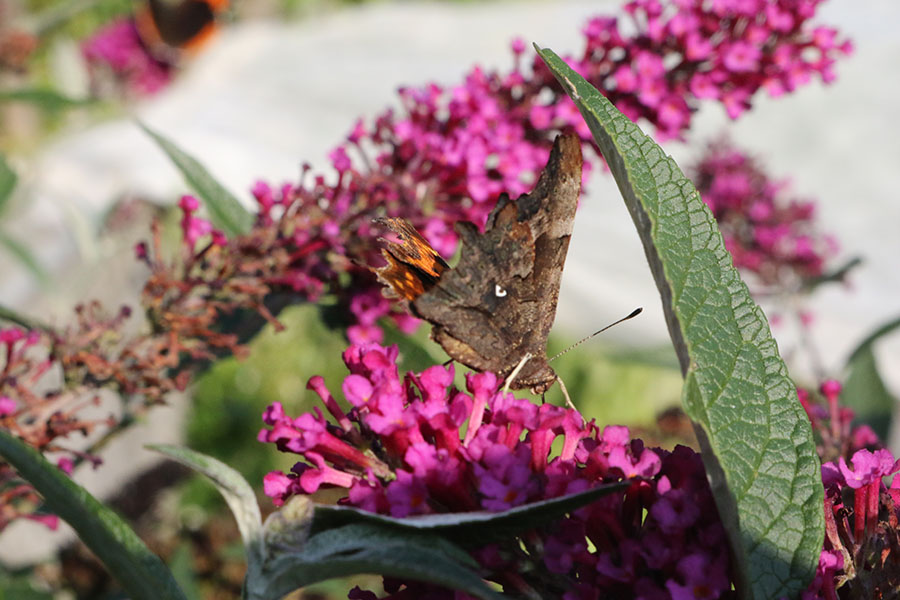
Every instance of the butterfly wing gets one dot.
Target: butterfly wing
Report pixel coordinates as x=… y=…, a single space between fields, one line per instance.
x=413 y=266
x=499 y=302
x=169 y=26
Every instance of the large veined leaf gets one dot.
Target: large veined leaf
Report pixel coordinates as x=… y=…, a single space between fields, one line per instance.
x=140 y=572
x=756 y=441
x=225 y=211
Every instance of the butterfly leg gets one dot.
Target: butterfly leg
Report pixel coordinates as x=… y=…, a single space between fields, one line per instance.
x=565 y=392
x=515 y=372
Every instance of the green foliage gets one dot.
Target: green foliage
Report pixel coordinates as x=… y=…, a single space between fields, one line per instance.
x=8 y=180
x=229 y=398
x=234 y=488
x=600 y=378
x=19 y=587
x=864 y=390
x=42 y=98
x=139 y=571
x=757 y=442
x=304 y=543
x=225 y=211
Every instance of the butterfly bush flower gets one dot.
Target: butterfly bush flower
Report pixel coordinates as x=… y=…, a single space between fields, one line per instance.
x=771 y=236
x=861 y=555
x=861 y=552
x=836 y=434
x=443 y=156
x=415 y=444
x=117 y=49
x=44 y=412
x=449 y=151
x=42 y=420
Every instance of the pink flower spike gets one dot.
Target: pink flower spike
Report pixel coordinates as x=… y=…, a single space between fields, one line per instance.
x=317 y=384
x=65 y=465
x=7 y=406
x=189 y=204
x=48 y=521
x=277 y=485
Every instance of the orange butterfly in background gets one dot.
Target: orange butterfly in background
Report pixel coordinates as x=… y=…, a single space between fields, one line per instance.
x=171 y=28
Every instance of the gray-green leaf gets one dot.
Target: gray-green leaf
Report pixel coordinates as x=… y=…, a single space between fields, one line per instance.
x=757 y=442
x=225 y=211
x=864 y=389
x=472 y=528
x=371 y=548
x=234 y=488
x=141 y=573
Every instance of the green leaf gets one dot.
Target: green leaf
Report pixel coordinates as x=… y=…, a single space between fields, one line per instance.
x=372 y=548
x=24 y=256
x=865 y=392
x=307 y=543
x=13 y=316
x=8 y=179
x=225 y=211
x=44 y=99
x=182 y=565
x=237 y=492
x=838 y=274
x=471 y=528
x=756 y=441
x=866 y=344
x=139 y=571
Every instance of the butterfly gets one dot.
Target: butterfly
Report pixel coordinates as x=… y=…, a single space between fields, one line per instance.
x=168 y=28
x=497 y=305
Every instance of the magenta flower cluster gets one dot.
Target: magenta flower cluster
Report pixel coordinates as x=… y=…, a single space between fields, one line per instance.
x=837 y=435
x=450 y=151
x=861 y=556
x=770 y=234
x=417 y=445
x=861 y=553
x=116 y=50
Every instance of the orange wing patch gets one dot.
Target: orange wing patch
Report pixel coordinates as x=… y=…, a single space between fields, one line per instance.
x=413 y=266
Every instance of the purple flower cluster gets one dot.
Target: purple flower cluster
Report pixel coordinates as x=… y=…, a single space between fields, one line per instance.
x=193 y=228
x=862 y=536
x=417 y=445
x=449 y=152
x=837 y=436
x=117 y=50
x=861 y=553
x=770 y=235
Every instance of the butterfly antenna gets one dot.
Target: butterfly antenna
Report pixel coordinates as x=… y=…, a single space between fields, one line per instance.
x=633 y=314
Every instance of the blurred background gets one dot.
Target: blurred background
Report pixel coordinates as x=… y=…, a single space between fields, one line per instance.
x=280 y=83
